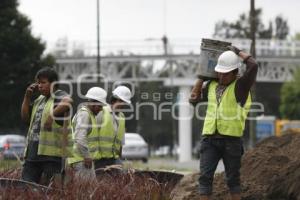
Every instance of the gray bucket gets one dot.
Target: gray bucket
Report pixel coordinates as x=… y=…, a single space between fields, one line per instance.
x=210 y=51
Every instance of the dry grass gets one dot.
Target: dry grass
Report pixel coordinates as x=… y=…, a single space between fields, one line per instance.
x=111 y=184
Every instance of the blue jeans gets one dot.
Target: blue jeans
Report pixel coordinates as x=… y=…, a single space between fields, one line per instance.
x=212 y=149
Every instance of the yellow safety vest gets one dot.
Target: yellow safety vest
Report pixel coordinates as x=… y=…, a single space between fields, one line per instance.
x=228 y=117
x=110 y=140
x=92 y=138
x=50 y=142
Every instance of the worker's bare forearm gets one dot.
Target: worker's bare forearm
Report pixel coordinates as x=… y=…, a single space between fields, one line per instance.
x=63 y=106
x=25 y=109
x=198 y=85
x=196 y=91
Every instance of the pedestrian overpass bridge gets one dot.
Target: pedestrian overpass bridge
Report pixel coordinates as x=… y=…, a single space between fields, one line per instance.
x=181 y=68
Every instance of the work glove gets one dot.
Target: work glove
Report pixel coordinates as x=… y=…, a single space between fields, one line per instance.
x=234 y=49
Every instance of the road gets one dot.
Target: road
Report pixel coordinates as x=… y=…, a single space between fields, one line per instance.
x=172 y=164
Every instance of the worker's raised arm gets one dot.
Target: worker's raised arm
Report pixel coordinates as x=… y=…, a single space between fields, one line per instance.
x=248 y=78
x=63 y=106
x=245 y=82
x=25 y=109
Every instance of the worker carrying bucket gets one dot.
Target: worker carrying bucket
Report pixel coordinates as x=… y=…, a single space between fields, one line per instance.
x=228 y=103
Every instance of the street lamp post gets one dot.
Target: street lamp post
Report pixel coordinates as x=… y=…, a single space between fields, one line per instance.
x=253 y=27
x=98 y=43
x=253 y=53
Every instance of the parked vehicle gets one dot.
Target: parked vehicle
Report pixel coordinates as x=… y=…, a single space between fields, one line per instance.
x=135 y=147
x=12 y=146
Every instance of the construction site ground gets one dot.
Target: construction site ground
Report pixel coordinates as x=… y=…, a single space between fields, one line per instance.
x=271 y=170
x=171 y=164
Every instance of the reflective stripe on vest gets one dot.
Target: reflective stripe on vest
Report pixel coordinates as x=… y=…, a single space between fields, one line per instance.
x=110 y=140
x=228 y=118
x=50 y=142
x=92 y=138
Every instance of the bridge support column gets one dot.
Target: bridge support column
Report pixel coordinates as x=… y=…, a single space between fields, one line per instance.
x=185 y=125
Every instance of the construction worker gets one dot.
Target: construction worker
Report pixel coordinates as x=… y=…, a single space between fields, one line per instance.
x=229 y=101
x=44 y=151
x=112 y=128
x=85 y=134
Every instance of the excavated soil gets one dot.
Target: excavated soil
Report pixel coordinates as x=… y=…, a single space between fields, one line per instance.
x=270 y=171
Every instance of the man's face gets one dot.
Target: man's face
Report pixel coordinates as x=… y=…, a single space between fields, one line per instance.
x=226 y=78
x=96 y=108
x=44 y=86
x=119 y=104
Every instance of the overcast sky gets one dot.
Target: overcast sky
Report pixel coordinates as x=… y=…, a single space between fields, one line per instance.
x=140 y=19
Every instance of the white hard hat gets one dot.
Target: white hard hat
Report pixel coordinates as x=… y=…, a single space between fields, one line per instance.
x=227 y=62
x=97 y=93
x=123 y=93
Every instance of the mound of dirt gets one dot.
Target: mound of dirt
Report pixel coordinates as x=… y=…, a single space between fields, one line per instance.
x=271 y=170
x=186 y=188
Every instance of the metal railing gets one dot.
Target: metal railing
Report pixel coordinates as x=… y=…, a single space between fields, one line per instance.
x=64 y=48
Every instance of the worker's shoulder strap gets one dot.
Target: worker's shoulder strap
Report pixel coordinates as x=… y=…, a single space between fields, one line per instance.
x=39 y=99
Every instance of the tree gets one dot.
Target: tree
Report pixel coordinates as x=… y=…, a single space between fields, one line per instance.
x=20 y=58
x=241 y=27
x=290 y=93
x=281 y=28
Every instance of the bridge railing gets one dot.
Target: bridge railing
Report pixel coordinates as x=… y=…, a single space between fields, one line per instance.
x=64 y=48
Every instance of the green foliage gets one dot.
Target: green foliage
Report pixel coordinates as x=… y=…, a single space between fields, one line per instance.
x=297 y=36
x=20 y=57
x=290 y=95
x=241 y=27
x=9 y=164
